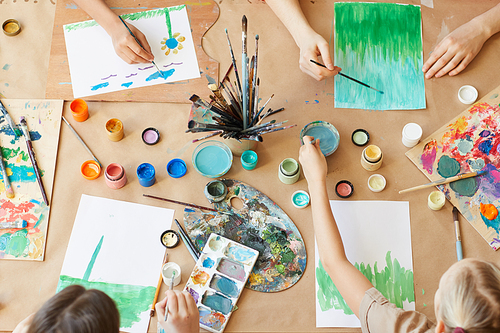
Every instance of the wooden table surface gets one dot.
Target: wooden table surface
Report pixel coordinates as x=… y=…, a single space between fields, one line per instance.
x=25 y=286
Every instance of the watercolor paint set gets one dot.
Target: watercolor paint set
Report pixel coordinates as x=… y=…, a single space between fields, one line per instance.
x=218 y=279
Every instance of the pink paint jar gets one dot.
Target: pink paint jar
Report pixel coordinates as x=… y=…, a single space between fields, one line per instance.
x=115 y=176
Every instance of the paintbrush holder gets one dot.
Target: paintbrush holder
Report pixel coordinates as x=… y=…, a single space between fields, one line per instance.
x=239 y=147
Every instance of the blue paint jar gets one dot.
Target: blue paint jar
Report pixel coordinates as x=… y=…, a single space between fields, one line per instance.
x=249 y=159
x=176 y=168
x=146 y=174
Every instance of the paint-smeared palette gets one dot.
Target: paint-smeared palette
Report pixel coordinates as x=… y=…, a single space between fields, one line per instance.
x=260 y=224
x=468 y=143
x=218 y=279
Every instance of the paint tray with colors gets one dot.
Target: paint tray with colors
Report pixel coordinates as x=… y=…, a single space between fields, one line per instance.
x=218 y=279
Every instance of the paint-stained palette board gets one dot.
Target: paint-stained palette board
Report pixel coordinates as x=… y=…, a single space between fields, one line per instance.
x=468 y=143
x=218 y=278
x=201 y=16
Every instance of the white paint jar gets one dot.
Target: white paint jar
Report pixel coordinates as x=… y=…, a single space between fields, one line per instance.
x=412 y=133
x=167 y=271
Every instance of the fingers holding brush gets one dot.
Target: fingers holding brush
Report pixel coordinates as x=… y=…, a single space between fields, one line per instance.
x=183 y=314
x=316 y=46
x=132 y=51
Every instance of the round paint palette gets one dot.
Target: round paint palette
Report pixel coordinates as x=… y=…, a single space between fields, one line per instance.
x=329 y=137
x=212 y=159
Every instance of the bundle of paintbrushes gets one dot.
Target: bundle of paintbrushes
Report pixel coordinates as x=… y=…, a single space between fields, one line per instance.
x=233 y=110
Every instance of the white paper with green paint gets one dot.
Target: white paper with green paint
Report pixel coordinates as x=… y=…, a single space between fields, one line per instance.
x=115 y=247
x=377 y=240
x=95 y=68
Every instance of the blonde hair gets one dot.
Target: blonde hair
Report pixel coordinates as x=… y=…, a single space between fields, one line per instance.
x=470 y=299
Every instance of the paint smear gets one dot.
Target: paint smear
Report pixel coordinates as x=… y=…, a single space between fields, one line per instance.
x=224 y=286
x=448 y=167
x=211 y=318
x=99 y=86
x=193 y=293
x=217 y=302
x=208 y=262
x=429 y=156
x=240 y=254
x=127 y=84
x=393 y=281
x=6 y=67
x=466 y=187
x=232 y=269
x=164 y=75
x=489 y=211
x=200 y=277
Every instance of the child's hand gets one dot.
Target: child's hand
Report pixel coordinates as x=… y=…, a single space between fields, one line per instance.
x=456 y=50
x=127 y=48
x=311 y=47
x=313 y=161
x=183 y=315
x=24 y=325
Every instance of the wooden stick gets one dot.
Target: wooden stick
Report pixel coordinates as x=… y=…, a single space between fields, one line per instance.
x=181 y=203
x=443 y=181
x=152 y=312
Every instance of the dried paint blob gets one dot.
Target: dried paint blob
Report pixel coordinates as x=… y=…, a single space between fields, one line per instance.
x=208 y=262
x=150 y=136
x=360 y=137
x=466 y=187
x=448 y=167
x=232 y=269
x=211 y=319
x=200 y=277
x=240 y=254
x=489 y=211
x=344 y=189
x=224 y=285
x=217 y=302
x=193 y=293
x=216 y=243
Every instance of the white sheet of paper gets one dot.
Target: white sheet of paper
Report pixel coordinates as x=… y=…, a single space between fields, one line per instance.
x=95 y=68
x=131 y=252
x=369 y=229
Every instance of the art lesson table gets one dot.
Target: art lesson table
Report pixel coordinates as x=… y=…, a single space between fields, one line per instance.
x=25 y=286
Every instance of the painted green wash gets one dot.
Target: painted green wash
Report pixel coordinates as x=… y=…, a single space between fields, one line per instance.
x=132 y=17
x=393 y=281
x=90 y=266
x=8 y=153
x=15 y=244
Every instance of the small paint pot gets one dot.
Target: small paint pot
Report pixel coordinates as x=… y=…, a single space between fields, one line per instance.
x=329 y=137
x=146 y=174
x=436 y=200
x=344 y=189
x=169 y=238
x=376 y=182
x=215 y=191
x=360 y=137
x=150 y=136
x=467 y=94
x=11 y=27
x=90 y=170
x=176 y=168
x=212 y=159
x=412 y=133
x=371 y=158
x=289 y=171
x=300 y=199
x=166 y=272
x=114 y=128
x=115 y=176
x=249 y=159
x=79 y=110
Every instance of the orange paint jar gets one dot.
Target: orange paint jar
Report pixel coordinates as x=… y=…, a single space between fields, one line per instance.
x=79 y=110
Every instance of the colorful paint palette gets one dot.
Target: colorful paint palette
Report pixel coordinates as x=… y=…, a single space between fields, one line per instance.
x=218 y=279
x=260 y=224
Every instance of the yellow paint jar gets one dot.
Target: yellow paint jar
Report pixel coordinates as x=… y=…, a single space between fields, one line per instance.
x=114 y=128
x=11 y=27
x=436 y=200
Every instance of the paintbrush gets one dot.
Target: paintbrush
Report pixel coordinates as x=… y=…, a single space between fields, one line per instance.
x=275 y=111
x=200 y=102
x=277 y=129
x=193 y=125
x=9 y=191
x=443 y=181
x=227 y=74
x=80 y=139
x=170 y=288
x=137 y=41
x=457 y=235
x=262 y=128
x=189 y=243
x=262 y=108
x=244 y=69
x=181 y=203
x=348 y=77
x=254 y=80
x=258 y=126
x=234 y=63
x=9 y=120
x=158 y=286
x=207 y=136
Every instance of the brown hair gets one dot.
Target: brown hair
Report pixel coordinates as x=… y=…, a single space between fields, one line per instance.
x=77 y=310
x=471 y=298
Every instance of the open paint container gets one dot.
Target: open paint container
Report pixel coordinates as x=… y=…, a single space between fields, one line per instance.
x=212 y=159
x=344 y=189
x=360 y=137
x=167 y=271
x=300 y=199
x=218 y=279
x=150 y=136
x=329 y=137
x=90 y=170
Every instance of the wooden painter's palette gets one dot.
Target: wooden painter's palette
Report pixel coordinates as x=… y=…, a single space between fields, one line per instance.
x=261 y=225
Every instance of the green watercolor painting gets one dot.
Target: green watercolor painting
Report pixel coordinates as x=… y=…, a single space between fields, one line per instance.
x=379 y=44
x=131 y=300
x=393 y=281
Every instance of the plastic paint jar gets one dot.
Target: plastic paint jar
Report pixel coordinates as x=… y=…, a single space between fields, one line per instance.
x=300 y=199
x=90 y=170
x=436 y=200
x=114 y=128
x=212 y=159
x=11 y=27
x=115 y=176
x=167 y=270
x=289 y=171
x=150 y=136
x=467 y=94
x=412 y=133
x=376 y=183
x=371 y=158
x=79 y=110
x=344 y=189
x=146 y=174
x=215 y=191
x=360 y=137
x=249 y=159
x=176 y=168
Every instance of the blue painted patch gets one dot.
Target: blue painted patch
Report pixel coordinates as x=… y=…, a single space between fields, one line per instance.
x=99 y=86
x=485 y=146
x=6 y=67
x=171 y=43
x=156 y=75
x=127 y=84
x=495 y=224
x=208 y=262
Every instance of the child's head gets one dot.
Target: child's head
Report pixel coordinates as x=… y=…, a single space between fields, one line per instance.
x=77 y=310
x=469 y=297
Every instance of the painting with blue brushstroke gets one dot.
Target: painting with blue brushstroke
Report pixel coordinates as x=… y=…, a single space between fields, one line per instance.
x=95 y=68
x=379 y=44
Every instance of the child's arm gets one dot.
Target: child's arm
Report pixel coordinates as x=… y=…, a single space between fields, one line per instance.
x=351 y=283
x=310 y=43
x=458 y=49
x=125 y=45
